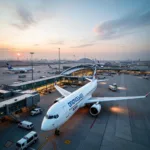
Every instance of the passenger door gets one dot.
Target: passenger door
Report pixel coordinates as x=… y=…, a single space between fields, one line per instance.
x=66 y=111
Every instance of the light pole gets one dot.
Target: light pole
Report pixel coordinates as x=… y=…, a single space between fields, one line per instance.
x=59 y=58
x=74 y=58
x=32 y=62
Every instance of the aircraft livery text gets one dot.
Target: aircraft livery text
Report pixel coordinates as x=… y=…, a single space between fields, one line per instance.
x=75 y=100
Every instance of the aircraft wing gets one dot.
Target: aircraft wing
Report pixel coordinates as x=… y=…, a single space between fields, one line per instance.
x=105 y=99
x=88 y=79
x=62 y=91
x=102 y=80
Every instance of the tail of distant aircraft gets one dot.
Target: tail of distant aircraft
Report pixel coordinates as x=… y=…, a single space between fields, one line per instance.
x=49 y=66
x=9 y=66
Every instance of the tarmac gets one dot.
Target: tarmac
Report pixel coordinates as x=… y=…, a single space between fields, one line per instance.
x=121 y=125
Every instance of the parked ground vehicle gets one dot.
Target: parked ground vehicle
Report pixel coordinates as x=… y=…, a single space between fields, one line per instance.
x=22 y=76
x=36 y=111
x=25 y=124
x=113 y=87
x=42 y=77
x=27 y=140
x=146 y=77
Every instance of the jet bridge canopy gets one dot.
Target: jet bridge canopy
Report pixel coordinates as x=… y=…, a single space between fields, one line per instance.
x=71 y=70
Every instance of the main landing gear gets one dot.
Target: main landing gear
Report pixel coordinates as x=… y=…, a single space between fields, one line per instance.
x=57 y=132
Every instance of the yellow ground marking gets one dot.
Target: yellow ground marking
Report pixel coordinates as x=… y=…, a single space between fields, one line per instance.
x=67 y=142
x=8 y=144
x=48 y=139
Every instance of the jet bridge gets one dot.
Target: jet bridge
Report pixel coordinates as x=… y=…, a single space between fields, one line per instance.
x=11 y=105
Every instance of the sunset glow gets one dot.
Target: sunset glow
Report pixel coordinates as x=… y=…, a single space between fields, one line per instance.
x=100 y=29
x=119 y=110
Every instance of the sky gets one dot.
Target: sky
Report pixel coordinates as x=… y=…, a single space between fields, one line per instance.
x=101 y=29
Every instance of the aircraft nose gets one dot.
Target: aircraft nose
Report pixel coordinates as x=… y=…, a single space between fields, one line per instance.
x=47 y=125
x=44 y=127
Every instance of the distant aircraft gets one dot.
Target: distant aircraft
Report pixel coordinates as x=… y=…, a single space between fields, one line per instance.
x=64 y=108
x=51 y=67
x=18 y=70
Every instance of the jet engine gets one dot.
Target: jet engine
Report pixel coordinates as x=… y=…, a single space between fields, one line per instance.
x=23 y=71
x=95 y=109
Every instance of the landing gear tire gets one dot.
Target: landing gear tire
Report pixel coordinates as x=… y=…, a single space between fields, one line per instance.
x=57 y=132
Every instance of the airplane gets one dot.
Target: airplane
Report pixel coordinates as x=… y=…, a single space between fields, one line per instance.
x=63 y=109
x=51 y=67
x=18 y=70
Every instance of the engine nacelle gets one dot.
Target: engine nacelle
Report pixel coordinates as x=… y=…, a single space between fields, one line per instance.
x=95 y=109
x=23 y=71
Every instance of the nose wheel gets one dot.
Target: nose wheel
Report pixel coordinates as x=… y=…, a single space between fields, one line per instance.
x=57 y=132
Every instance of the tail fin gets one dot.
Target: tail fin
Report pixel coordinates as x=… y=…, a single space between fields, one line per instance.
x=9 y=66
x=94 y=74
x=49 y=66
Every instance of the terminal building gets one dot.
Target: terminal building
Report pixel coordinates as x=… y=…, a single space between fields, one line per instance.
x=16 y=96
x=13 y=101
x=73 y=75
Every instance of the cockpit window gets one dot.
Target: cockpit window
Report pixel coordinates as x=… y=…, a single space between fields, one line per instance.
x=52 y=116
x=56 y=116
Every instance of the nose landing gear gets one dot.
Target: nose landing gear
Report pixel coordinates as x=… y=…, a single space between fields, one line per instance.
x=57 y=132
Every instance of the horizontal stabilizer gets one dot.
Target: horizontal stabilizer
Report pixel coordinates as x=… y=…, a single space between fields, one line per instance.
x=103 y=80
x=88 y=79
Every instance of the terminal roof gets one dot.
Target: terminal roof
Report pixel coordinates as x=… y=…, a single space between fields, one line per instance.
x=14 y=100
x=76 y=68
x=4 y=91
x=34 y=81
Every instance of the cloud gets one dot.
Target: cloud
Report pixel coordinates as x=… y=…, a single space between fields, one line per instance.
x=36 y=44
x=83 y=45
x=57 y=43
x=4 y=49
x=25 y=19
x=122 y=26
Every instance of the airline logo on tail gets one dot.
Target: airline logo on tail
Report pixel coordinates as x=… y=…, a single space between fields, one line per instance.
x=49 y=66
x=9 y=66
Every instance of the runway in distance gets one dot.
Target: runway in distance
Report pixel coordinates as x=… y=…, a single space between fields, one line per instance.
x=18 y=70
x=64 y=108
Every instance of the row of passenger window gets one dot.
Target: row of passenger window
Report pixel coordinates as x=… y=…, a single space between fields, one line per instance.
x=52 y=116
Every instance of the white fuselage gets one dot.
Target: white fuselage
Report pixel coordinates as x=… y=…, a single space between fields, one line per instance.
x=20 y=69
x=67 y=106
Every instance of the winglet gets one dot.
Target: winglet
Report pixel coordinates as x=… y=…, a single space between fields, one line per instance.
x=147 y=94
x=88 y=79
